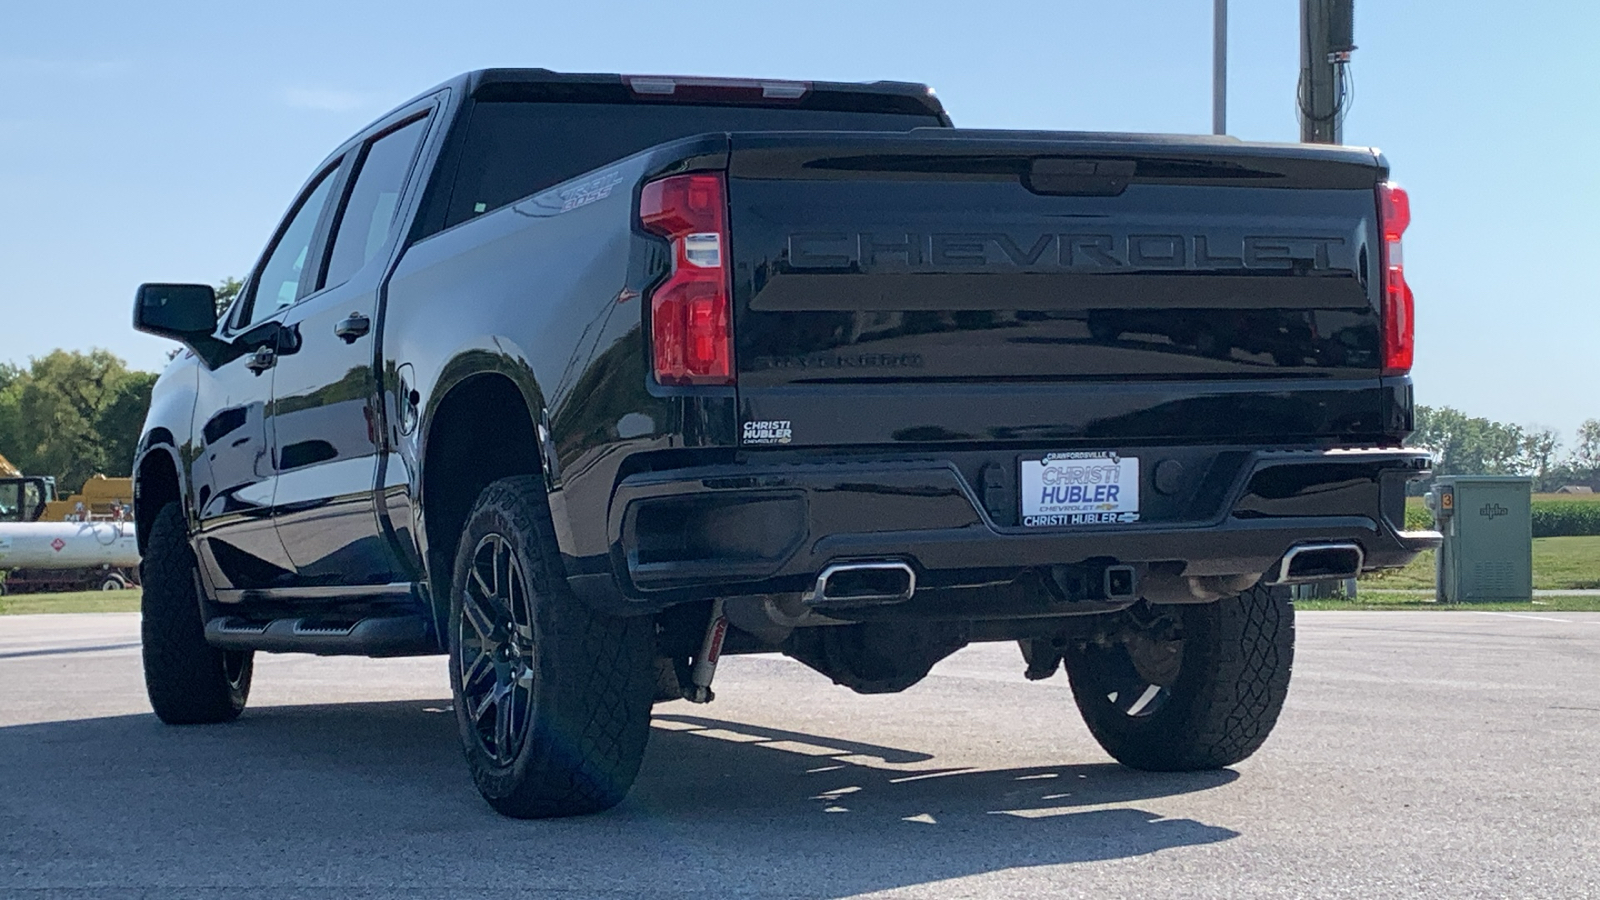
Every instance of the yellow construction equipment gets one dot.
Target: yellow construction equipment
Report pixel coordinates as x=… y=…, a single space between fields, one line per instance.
x=101 y=499
x=33 y=498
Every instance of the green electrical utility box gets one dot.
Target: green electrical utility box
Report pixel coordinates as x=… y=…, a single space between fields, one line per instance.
x=1487 y=523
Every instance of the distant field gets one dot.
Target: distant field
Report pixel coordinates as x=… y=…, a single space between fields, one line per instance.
x=1559 y=563
x=73 y=602
x=1381 y=601
x=1372 y=598
x=1417 y=504
x=1554 y=515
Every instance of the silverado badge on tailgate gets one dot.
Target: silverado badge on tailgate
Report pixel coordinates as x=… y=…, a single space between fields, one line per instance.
x=1092 y=488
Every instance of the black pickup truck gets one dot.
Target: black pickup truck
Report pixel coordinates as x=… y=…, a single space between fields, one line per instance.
x=587 y=380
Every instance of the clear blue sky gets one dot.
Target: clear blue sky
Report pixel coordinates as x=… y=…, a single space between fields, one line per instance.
x=161 y=140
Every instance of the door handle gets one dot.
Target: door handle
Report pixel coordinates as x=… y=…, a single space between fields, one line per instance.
x=356 y=325
x=261 y=360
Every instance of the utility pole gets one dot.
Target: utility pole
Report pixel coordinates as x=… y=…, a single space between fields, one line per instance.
x=1219 y=67
x=1327 y=38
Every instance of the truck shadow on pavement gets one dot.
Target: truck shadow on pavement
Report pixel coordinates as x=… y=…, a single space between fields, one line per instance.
x=364 y=795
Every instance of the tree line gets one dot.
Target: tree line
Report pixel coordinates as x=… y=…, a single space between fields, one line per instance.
x=1468 y=445
x=71 y=414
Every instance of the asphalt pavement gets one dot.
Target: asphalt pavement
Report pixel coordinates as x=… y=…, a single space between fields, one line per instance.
x=1425 y=754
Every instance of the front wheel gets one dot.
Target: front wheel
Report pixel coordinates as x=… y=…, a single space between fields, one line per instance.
x=552 y=699
x=1191 y=687
x=189 y=681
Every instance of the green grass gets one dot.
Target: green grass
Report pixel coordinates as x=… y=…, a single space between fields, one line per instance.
x=1419 y=575
x=72 y=602
x=1370 y=599
x=1559 y=564
x=1385 y=600
x=1563 y=563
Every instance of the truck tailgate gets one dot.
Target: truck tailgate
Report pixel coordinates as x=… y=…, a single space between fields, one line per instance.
x=980 y=287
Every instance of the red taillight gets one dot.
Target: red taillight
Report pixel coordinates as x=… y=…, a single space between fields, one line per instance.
x=691 y=325
x=1399 y=308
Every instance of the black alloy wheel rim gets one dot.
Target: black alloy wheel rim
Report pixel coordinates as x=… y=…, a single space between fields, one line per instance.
x=234 y=663
x=1137 y=698
x=1136 y=674
x=495 y=652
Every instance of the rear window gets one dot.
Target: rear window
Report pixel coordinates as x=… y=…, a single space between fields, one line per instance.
x=517 y=148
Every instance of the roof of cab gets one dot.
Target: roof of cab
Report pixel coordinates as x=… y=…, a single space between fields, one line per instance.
x=905 y=98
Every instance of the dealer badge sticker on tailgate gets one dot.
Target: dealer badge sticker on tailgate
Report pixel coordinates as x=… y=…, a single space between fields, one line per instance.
x=1080 y=489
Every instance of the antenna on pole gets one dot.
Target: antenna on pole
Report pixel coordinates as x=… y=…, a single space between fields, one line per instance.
x=1219 y=67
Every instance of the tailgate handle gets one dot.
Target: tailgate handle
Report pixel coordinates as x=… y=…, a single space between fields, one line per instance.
x=1079 y=177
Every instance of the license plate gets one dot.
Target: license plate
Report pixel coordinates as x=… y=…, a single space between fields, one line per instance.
x=1086 y=488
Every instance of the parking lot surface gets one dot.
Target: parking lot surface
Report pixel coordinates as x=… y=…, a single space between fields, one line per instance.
x=1427 y=754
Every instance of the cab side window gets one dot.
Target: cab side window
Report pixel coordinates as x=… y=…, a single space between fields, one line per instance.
x=11 y=502
x=32 y=498
x=369 y=214
x=279 y=283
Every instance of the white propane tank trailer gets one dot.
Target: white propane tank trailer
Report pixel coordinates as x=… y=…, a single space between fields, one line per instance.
x=64 y=556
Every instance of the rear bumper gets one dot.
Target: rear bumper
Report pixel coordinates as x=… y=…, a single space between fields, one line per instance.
x=770 y=528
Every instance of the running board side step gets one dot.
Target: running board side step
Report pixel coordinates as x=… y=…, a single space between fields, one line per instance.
x=408 y=635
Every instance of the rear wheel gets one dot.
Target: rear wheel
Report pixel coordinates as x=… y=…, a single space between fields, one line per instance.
x=112 y=582
x=552 y=699
x=1179 y=688
x=189 y=681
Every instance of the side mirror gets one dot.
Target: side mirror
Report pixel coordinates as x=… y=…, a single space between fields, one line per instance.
x=183 y=312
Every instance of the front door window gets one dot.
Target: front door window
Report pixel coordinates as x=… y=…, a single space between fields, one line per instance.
x=280 y=282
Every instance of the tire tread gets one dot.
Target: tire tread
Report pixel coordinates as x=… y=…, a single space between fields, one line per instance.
x=184 y=676
x=1239 y=653
x=596 y=676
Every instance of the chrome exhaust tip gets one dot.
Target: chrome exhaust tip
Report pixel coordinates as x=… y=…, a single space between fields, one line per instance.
x=863 y=583
x=1319 y=562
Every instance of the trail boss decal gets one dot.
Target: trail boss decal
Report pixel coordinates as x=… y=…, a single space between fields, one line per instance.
x=1080 y=489
x=589 y=191
x=770 y=431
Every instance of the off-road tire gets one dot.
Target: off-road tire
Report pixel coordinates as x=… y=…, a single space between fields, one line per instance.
x=189 y=681
x=1230 y=686
x=593 y=674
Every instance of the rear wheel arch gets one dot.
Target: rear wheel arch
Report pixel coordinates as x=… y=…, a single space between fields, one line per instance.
x=480 y=430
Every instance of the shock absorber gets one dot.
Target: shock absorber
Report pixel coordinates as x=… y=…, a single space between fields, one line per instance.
x=705 y=664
